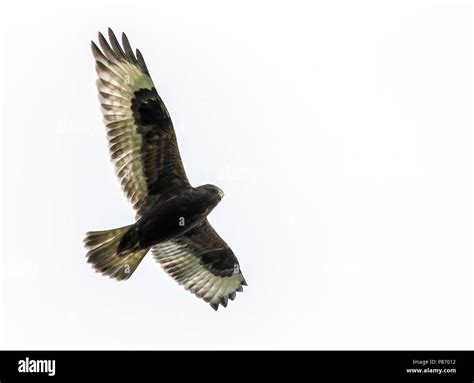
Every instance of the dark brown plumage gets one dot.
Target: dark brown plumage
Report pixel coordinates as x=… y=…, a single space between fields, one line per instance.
x=171 y=214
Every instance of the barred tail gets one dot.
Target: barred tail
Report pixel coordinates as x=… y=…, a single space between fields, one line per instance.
x=106 y=256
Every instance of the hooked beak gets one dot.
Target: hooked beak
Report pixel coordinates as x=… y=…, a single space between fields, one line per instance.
x=221 y=193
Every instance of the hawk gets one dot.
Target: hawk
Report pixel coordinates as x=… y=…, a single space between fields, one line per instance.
x=171 y=215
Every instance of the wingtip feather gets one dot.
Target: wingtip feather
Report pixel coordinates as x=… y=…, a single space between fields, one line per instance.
x=128 y=49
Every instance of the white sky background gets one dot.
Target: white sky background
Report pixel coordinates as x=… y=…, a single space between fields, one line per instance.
x=340 y=131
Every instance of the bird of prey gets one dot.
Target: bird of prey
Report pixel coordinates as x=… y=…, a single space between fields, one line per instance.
x=171 y=215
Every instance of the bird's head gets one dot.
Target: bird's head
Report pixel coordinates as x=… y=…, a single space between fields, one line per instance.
x=212 y=192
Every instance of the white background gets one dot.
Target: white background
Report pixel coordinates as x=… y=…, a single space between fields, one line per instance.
x=340 y=131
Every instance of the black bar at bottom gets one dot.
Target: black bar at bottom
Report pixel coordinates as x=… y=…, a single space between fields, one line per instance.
x=138 y=366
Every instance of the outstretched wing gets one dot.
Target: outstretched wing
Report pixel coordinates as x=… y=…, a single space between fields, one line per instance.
x=141 y=137
x=202 y=262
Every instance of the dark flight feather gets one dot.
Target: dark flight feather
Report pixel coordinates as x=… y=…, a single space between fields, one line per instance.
x=128 y=49
x=108 y=51
x=116 y=46
x=141 y=62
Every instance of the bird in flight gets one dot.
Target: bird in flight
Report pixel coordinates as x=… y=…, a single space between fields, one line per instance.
x=171 y=215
